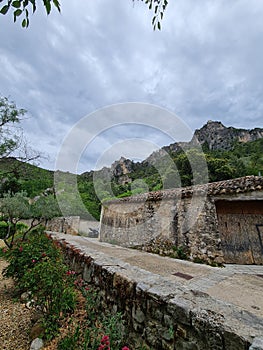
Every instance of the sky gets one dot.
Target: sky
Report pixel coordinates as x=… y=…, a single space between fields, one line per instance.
x=95 y=58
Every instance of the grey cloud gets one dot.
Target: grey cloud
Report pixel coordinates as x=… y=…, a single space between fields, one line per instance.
x=206 y=63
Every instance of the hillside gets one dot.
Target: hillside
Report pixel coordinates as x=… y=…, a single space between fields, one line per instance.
x=212 y=136
x=228 y=153
x=17 y=176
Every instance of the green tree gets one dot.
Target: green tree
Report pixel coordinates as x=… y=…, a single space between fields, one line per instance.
x=10 y=135
x=40 y=211
x=13 y=208
x=12 y=141
x=16 y=207
x=9 y=183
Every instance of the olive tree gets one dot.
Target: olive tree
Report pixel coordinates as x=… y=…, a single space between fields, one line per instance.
x=16 y=207
x=13 y=208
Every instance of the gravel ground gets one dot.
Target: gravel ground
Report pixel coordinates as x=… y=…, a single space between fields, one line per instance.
x=15 y=318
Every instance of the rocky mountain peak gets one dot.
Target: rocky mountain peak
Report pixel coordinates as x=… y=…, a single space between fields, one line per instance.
x=122 y=166
x=217 y=136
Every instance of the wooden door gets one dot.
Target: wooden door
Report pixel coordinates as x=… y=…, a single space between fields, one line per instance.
x=241 y=230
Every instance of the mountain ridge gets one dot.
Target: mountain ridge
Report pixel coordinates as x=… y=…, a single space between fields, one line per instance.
x=241 y=155
x=213 y=135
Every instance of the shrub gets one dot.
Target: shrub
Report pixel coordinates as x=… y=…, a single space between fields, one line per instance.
x=100 y=330
x=23 y=255
x=3 y=229
x=36 y=265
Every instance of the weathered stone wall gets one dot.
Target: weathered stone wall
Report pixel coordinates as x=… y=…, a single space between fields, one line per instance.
x=68 y=224
x=134 y=223
x=162 y=314
x=186 y=216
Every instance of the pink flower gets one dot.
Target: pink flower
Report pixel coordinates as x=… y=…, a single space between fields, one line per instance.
x=105 y=338
x=33 y=260
x=125 y=348
x=21 y=249
x=105 y=343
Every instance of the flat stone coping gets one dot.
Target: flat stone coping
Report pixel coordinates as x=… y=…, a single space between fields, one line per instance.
x=234 y=292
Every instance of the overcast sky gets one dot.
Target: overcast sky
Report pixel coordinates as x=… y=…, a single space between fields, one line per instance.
x=206 y=63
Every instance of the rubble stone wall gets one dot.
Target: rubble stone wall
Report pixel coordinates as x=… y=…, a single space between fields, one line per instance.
x=68 y=224
x=160 y=314
x=185 y=216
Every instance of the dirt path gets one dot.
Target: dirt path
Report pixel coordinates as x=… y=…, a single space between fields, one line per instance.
x=15 y=318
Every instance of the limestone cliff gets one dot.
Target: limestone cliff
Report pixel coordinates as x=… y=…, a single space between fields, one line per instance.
x=213 y=136
x=120 y=170
x=217 y=136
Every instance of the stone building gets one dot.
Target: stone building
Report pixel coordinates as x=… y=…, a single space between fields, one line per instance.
x=218 y=222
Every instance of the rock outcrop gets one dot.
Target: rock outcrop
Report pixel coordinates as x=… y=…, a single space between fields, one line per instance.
x=217 y=136
x=212 y=136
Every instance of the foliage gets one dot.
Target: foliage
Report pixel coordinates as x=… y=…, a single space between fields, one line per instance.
x=24 y=254
x=22 y=8
x=99 y=330
x=18 y=176
x=158 y=7
x=36 y=265
x=51 y=290
x=10 y=116
x=3 y=229
x=12 y=140
x=244 y=159
x=15 y=207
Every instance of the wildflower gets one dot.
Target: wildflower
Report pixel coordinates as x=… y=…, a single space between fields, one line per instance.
x=21 y=249
x=33 y=260
x=125 y=348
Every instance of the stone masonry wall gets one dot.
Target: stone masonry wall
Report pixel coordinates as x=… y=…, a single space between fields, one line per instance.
x=69 y=224
x=185 y=216
x=161 y=314
x=136 y=223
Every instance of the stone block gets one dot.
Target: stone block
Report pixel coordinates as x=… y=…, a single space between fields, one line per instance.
x=138 y=314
